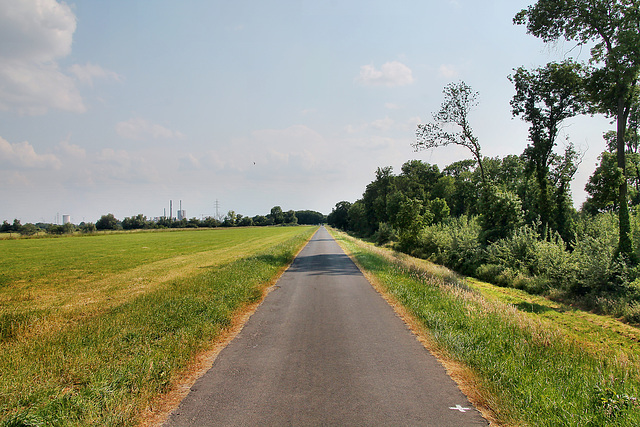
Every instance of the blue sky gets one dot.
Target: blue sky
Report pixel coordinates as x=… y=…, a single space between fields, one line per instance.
x=121 y=106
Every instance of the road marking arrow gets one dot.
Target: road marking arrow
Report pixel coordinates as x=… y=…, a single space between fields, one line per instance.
x=459 y=408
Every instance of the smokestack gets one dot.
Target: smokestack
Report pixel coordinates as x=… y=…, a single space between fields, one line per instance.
x=170 y=209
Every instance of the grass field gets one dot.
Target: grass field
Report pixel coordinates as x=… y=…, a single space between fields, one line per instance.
x=525 y=360
x=93 y=329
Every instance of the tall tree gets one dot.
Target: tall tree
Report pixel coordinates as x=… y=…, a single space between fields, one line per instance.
x=451 y=124
x=614 y=27
x=276 y=214
x=339 y=216
x=107 y=222
x=375 y=197
x=545 y=97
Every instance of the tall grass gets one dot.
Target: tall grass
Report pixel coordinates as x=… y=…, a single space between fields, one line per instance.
x=106 y=368
x=529 y=371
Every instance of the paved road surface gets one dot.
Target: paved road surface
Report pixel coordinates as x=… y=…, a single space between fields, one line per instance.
x=325 y=349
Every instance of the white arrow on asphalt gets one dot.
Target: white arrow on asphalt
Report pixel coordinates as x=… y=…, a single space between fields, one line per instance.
x=459 y=408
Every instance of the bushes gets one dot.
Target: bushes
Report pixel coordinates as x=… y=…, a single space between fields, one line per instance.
x=453 y=243
x=587 y=273
x=525 y=261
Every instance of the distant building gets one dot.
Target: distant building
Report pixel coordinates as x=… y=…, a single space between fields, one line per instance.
x=66 y=219
x=182 y=214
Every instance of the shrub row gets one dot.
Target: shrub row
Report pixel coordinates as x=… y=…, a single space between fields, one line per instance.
x=588 y=273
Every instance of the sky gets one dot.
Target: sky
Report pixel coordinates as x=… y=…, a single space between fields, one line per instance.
x=121 y=106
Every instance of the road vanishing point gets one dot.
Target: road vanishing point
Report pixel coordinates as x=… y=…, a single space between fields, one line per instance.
x=324 y=348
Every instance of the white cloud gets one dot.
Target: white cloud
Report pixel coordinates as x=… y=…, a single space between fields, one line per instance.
x=36 y=30
x=390 y=74
x=72 y=150
x=35 y=34
x=383 y=124
x=141 y=129
x=386 y=124
x=86 y=73
x=448 y=71
x=110 y=166
x=188 y=162
x=22 y=155
x=273 y=155
x=34 y=88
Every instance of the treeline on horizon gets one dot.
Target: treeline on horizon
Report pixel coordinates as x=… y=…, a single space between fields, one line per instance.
x=140 y=222
x=511 y=220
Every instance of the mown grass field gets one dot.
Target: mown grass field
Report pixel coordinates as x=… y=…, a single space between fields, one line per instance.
x=93 y=329
x=525 y=360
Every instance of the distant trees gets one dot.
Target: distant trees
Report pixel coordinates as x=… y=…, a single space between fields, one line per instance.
x=107 y=222
x=276 y=215
x=15 y=227
x=66 y=228
x=29 y=229
x=418 y=196
x=135 y=223
x=140 y=221
x=88 y=227
x=290 y=217
x=308 y=217
x=339 y=216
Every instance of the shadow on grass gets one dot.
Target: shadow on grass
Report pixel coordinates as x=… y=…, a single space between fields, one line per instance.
x=531 y=307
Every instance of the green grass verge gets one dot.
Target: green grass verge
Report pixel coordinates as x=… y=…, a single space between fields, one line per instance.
x=106 y=367
x=532 y=370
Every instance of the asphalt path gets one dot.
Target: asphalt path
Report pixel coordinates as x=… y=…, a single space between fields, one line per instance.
x=324 y=348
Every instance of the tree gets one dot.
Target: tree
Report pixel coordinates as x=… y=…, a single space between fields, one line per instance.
x=230 y=219
x=451 y=124
x=210 y=222
x=276 y=214
x=604 y=184
x=339 y=216
x=68 y=228
x=376 y=196
x=28 y=229
x=418 y=179
x=135 y=223
x=246 y=222
x=194 y=223
x=358 y=219
x=501 y=214
x=411 y=218
x=107 y=222
x=261 y=220
x=463 y=197
x=564 y=169
x=290 y=217
x=439 y=208
x=88 y=227
x=613 y=82
x=308 y=217
x=545 y=97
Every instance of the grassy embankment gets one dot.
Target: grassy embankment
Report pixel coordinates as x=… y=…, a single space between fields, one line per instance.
x=525 y=360
x=93 y=329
